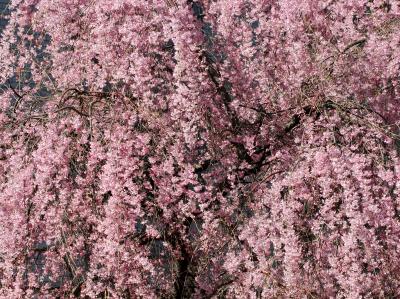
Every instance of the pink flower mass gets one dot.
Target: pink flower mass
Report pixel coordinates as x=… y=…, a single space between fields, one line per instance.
x=200 y=149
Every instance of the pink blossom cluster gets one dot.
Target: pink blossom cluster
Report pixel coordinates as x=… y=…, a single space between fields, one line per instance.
x=200 y=149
